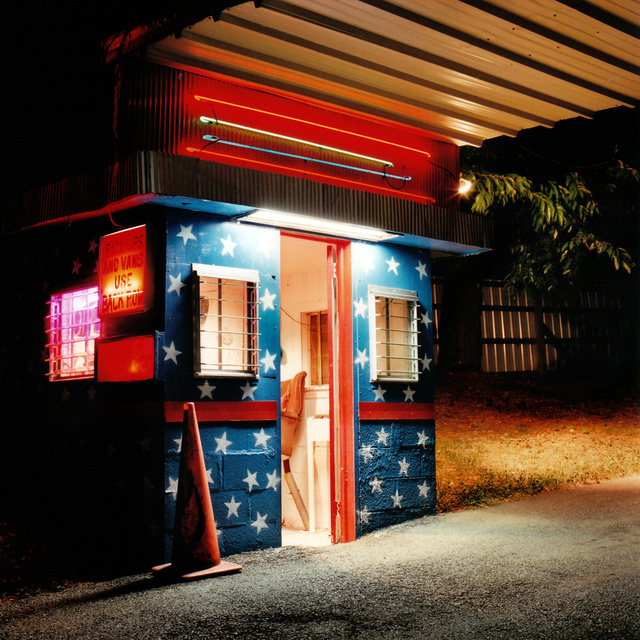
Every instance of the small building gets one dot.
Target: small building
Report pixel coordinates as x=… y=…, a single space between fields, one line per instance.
x=260 y=252
x=267 y=242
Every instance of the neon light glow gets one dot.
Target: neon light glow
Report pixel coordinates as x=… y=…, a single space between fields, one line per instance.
x=307 y=158
x=317 y=225
x=315 y=124
x=207 y=120
x=72 y=328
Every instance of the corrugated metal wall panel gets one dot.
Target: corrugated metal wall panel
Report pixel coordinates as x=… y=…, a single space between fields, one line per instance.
x=189 y=177
x=154 y=119
x=593 y=325
x=159 y=113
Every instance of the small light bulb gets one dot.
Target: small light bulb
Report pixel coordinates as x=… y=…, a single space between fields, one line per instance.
x=465 y=186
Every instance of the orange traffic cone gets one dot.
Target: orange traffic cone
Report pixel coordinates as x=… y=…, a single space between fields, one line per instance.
x=195 y=552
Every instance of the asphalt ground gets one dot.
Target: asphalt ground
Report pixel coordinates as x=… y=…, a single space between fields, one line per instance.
x=559 y=565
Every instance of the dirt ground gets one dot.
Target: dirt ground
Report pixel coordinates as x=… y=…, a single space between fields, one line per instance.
x=497 y=402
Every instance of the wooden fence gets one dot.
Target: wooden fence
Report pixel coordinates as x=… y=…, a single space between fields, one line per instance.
x=593 y=328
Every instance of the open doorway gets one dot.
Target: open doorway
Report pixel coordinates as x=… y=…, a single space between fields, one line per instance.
x=305 y=347
x=317 y=419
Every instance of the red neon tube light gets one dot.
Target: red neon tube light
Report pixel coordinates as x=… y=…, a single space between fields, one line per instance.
x=314 y=124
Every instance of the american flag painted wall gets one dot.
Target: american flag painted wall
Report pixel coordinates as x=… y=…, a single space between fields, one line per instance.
x=395 y=458
x=242 y=458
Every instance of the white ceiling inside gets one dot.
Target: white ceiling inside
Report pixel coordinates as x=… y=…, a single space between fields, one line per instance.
x=466 y=70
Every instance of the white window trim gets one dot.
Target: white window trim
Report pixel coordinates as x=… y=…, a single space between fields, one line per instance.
x=398 y=294
x=230 y=273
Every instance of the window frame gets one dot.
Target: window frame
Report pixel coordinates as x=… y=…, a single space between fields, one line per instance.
x=411 y=372
x=250 y=367
x=308 y=348
x=54 y=346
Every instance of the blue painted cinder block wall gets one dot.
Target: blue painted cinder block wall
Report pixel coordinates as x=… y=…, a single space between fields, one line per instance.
x=395 y=459
x=242 y=459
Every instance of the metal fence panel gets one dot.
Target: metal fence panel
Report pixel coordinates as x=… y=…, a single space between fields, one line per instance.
x=593 y=325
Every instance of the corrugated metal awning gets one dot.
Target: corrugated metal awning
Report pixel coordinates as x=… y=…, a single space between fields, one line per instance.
x=155 y=179
x=467 y=70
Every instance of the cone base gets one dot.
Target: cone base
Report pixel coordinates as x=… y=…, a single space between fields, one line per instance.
x=218 y=569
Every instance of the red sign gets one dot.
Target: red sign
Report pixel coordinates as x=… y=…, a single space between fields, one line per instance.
x=126 y=359
x=262 y=130
x=123 y=268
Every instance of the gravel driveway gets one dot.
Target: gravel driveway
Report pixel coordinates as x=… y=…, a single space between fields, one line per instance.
x=559 y=565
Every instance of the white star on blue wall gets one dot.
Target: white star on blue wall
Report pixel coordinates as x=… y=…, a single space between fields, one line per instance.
x=228 y=245
x=261 y=438
x=173 y=487
x=206 y=390
x=408 y=394
x=185 y=234
x=232 y=507
x=379 y=393
x=260 y=523
x=268 y=361
x=251 y=480
x=362 y=358
x=176 y=284
x=223 y=443
x=267 y=300
x=171 y=353
x=361 y=308
x=393 y=265
x=248 y=391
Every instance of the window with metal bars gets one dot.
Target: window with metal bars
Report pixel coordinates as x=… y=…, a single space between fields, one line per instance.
x=393 y=330
x=318 y=348
x=225 y=321
x=72 y=328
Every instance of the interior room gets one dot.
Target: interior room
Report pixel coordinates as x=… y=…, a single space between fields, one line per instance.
x=304 y=348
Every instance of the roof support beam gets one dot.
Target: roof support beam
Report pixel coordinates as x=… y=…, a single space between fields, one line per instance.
x=456 y=34
x=342 y=27
x=392 y=72
x=555 y=36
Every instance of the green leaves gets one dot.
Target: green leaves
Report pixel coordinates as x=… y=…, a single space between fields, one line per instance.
x=553 y=225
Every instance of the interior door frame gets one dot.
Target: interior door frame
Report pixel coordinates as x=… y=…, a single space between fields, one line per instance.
x=341 y=398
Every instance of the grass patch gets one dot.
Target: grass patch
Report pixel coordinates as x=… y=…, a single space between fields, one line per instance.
x=488 y=453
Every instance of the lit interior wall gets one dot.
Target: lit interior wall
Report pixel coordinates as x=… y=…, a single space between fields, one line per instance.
x=304 y=290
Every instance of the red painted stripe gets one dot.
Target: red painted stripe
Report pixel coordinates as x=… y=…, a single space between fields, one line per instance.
x=225 y=411
x=396 y=411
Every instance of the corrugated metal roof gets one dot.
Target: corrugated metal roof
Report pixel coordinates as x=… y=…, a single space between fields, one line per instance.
x=464 y=69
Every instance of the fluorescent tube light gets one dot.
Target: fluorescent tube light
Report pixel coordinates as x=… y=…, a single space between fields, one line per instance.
x=317 y=225
x=208 y=120
x=384 y=174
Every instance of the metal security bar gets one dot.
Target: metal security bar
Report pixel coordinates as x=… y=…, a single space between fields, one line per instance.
x=227 y=338
x=395 y=334
x=72 y=328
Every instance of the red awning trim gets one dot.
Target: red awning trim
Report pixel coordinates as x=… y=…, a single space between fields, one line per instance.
x=396 y=411
x=225 y=411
